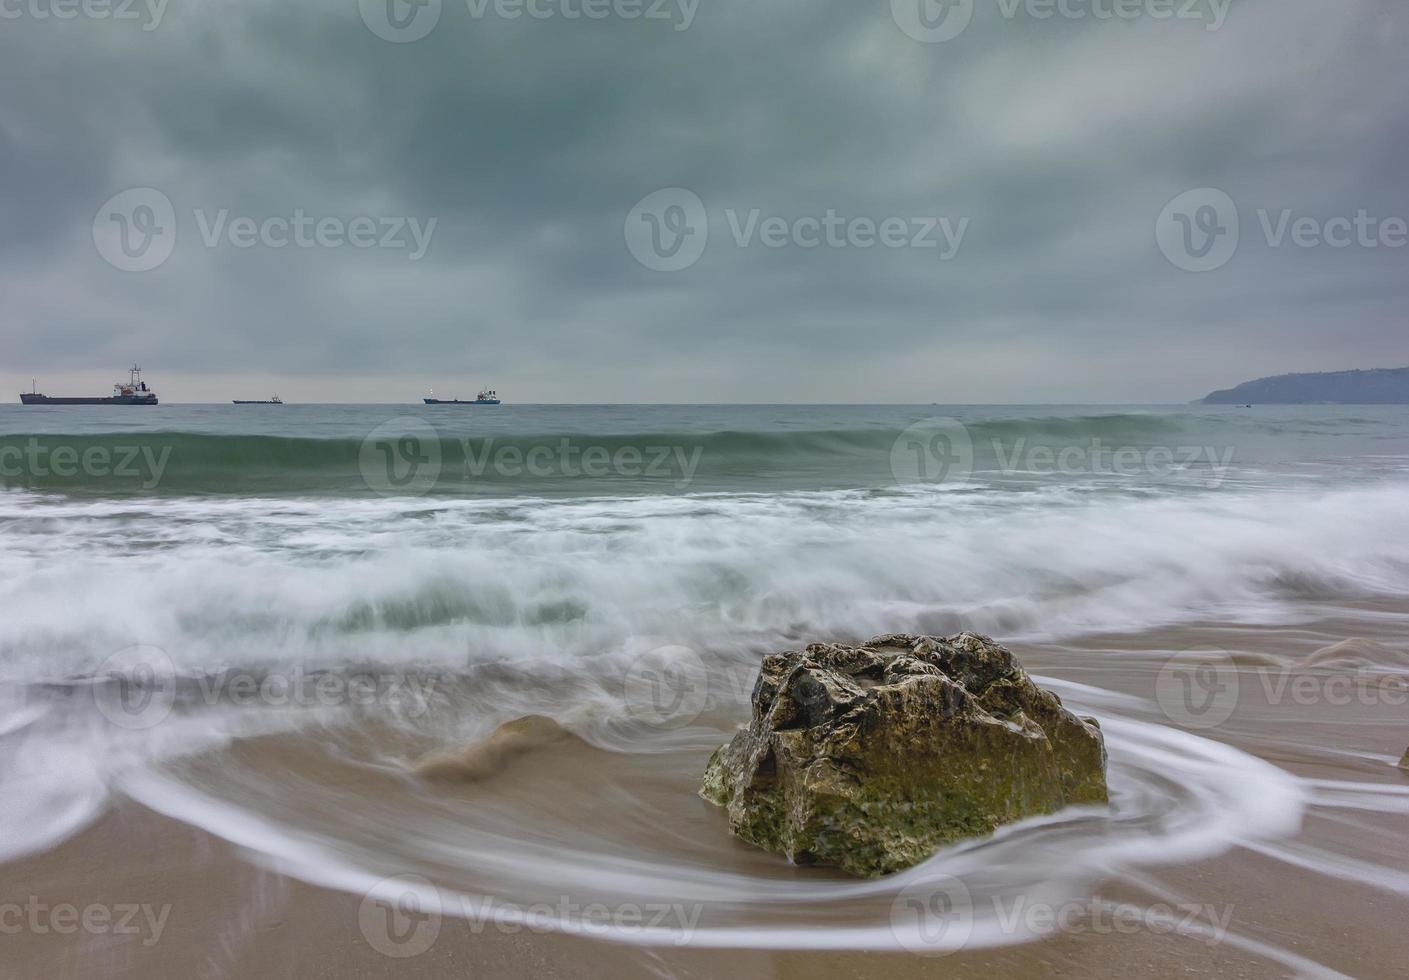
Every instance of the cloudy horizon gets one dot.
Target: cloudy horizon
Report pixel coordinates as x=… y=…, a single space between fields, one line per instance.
x=1011 y=201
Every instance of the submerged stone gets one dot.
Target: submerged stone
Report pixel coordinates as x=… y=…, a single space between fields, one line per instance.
x=871 y=758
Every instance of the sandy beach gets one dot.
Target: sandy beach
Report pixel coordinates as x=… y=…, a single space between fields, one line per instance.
x=1324 y=899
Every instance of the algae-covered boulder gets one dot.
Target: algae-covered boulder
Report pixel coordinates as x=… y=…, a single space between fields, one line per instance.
x=871 y=758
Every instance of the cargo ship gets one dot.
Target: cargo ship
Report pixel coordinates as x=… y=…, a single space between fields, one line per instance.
x=487 y=397
x=272 y=400
x=133 y=392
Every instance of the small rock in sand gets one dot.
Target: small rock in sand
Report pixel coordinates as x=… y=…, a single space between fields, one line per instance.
x=485 y=758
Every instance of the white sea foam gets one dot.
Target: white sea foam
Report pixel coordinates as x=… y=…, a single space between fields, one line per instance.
x=220 y=582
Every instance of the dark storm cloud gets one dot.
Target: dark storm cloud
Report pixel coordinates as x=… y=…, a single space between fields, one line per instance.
x=1057 y=140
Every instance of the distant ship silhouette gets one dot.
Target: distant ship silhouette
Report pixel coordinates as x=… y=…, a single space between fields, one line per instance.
x=134 y=392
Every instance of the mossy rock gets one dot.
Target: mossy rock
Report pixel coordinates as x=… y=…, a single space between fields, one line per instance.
x=871 y=758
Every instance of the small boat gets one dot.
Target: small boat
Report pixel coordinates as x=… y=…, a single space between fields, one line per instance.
x=486 y=397
x=133 y=392
x=273 y=400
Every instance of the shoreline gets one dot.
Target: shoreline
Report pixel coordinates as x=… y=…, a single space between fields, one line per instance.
x=228 y=917
x=232 y=913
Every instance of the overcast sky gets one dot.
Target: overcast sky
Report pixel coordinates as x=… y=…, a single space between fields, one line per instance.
x=1020 y=169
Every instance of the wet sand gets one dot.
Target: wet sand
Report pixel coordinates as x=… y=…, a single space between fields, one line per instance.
x=1329 y=898
x=234 y=919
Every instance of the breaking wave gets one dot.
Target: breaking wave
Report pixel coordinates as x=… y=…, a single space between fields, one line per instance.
x=468 y=462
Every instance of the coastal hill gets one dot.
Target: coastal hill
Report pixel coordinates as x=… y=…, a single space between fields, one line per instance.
x=1383 y=386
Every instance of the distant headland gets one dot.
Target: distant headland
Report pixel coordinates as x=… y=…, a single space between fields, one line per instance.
x=1381 y=386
